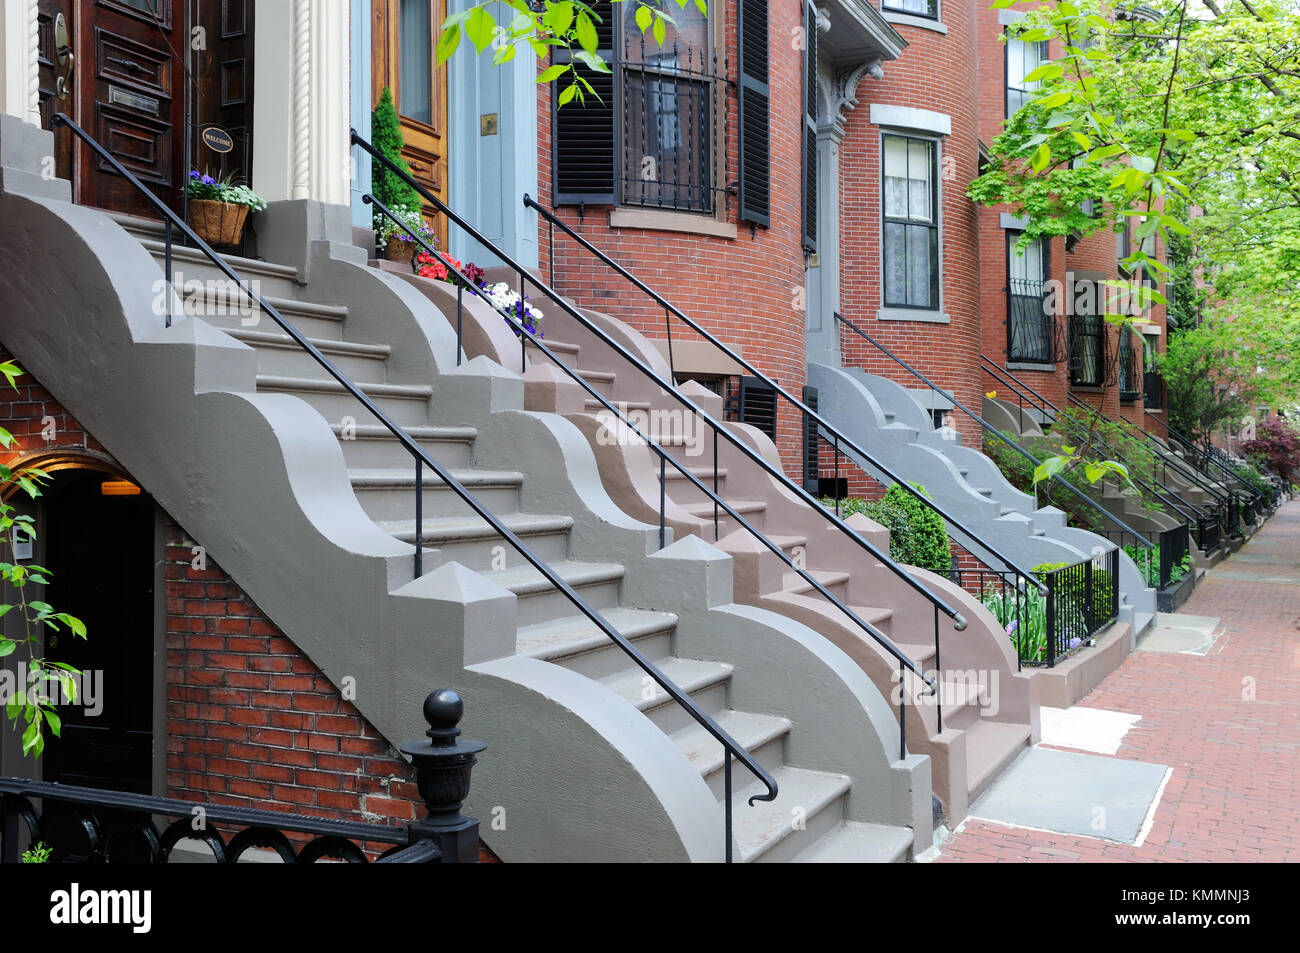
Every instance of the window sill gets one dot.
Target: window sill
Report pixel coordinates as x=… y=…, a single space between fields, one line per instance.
x=913 y=314
x=659 y=220
x=907 y=19
x=1030 y=366
x=1088 y=388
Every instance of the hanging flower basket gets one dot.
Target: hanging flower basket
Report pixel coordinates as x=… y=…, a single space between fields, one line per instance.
x=219 y=208
x=218 y=223
x=399 y=251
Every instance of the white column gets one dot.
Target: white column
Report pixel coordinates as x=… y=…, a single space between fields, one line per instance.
x=19 y=68
x=300 y=112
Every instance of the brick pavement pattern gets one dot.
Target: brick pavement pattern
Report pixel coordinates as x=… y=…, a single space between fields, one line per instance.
x=1227 y=723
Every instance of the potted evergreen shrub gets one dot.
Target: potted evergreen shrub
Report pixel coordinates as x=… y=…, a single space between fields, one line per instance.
x=219 y=208
x=389 y=188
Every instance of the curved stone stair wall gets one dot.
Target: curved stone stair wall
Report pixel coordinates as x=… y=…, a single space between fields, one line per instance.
x=231 y=441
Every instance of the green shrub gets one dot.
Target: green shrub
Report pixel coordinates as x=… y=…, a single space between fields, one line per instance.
x=386 y=134
x=1148 y=562
x=917 y=535
x=1071 y=594
x=1023 y=619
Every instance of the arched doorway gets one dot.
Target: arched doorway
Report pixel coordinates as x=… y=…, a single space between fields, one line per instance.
x=97 y=538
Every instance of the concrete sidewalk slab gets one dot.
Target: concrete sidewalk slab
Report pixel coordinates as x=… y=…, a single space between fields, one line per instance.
x=1073 y=793
x=1177 y=632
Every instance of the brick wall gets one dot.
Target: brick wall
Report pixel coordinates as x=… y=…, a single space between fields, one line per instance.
x=943 y=352
x=748 y=290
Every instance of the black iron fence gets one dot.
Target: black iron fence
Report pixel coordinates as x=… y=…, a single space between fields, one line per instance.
x=1209 y=535
x=1083 y=598
x=90 y=825
x=1031 y=330
x=1168 y=559
x=1080 y=600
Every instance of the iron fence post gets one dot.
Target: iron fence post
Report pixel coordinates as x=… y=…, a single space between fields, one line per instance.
x=442 y=773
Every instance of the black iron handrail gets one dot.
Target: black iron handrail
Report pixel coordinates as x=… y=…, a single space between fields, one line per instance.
x=665 y=458
x=1020 y=388
x=989 y=428
x=959 y=621
x=422 y=459
x=887 y=644
x=1209 y=458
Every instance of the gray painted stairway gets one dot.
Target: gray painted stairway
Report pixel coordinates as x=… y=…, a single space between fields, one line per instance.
x=306 y=504
x=878 y=414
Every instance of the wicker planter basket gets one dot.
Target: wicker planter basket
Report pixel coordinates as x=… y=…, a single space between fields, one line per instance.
x=218 y=223
x=399 y=251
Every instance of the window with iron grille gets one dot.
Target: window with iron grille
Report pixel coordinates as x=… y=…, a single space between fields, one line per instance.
x=911 y=222
x=1087 y=349
x=917 y=8
x=650 y=136
x=1152 y=392
x=1022 y=59
x=1031 y=330
x=1128 y=370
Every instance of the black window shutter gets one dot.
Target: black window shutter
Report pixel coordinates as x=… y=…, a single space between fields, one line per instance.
x=585 y=144
x=810 y=462
x=810 y=130
x=758 y=405
x=755 y=93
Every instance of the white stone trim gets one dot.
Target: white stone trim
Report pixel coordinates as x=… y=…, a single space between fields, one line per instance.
x=1009 y=17
x=907 y=19
x=909 y=117
x=1013 y=223
x=913 y=314
x=20 y=70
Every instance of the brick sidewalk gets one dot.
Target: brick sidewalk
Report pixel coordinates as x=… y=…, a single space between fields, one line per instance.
x=1235 y=791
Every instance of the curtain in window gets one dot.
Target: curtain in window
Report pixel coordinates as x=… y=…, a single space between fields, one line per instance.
x=416 y=52
x=911 y=235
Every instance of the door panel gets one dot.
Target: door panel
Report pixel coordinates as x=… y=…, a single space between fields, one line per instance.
x=130 y=90
x=403 y=36
x=224 y=80
x=51 y=99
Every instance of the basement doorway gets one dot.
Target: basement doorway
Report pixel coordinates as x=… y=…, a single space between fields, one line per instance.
x=98 y=535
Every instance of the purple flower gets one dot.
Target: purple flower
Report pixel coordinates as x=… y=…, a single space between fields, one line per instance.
x=1012 y=626
x=208 y=180
x=194 y=173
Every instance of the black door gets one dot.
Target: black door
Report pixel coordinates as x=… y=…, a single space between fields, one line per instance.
x=100 y=549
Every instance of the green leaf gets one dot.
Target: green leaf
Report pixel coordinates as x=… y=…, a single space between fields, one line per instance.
x=447 y=42
x=644 y=17
x=586 y=33
x=553 y=72
x=567 y=94
x=7 y=647
x=55 y=722
x=1048 y=469
x=480 y=27
x=1145 y=163
x=560 y=18
x=591 y=60
x=660 y=31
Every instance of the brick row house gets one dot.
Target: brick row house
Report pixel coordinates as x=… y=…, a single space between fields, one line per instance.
x=629 y=625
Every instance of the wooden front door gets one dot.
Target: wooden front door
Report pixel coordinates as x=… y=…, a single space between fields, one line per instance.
x=404 y=34
x=125 y=85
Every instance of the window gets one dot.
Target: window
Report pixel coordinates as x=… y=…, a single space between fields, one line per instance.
x=1022 y=59
x=1088 y=358
x=919 y=8
x=1030 y=329
x=648 y=138
x=416 y=39
x=911 y=232
x=810 y=130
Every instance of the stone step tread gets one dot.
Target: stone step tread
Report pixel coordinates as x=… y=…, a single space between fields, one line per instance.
x=793 y=582
x=690 y=675
x=604 y=376
x=324 y=345
x=703 y=474
x=443 y=531
x=740 y=506
x=750 y=729
x=155 y=246
x=373 y=477
x=857 y=842
x=573 y=635
x=311 y=309
x=918 y=652
x=761 y=827
x=525 y=580
x=331 y=386
x=623 y=405
x=430 y=433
